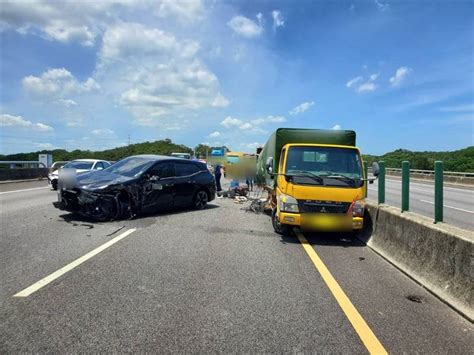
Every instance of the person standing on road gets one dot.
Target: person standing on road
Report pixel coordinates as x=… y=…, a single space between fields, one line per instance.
x=217 y=175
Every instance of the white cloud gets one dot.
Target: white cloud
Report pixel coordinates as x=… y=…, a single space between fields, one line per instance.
x=84 y=21
x=277 y=19
x=66 y=102
x=42 y=127
x=103 y=132
x=354 y=81
x=366 y=87
x=400 y=76
x=156 y=76
x=337 y=127
x=220 y=101
x=245 y=27
x=360 y=86
x=253 y=126
x=64 y=22
x=246 y=125
x=229 y=122
x=185 y=11
x=270 y=119
x=131 y=39
x=215 y=134
x=381 y=6
x=305 y=106
x=7 y=120
x=57 y=83
x=374 y=77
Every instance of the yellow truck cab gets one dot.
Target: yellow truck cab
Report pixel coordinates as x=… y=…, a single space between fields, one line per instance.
x=315 y=178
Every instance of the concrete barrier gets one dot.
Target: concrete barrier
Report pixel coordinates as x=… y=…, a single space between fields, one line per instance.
x=22 y=174
x=438 y=256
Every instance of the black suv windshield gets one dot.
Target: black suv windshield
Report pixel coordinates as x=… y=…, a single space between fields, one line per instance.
x=338 y=166
x=130 y=166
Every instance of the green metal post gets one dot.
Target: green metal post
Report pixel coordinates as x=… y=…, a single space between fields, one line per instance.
x=381 y=182
x=366 y=176
x=405 y=186
x=438 y=205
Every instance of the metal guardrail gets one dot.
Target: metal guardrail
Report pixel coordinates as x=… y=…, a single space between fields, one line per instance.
x=431 y=172
x=405 y=196
x=22 y=162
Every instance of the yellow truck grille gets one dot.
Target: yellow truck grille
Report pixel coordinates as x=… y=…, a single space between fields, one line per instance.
x=315 y=206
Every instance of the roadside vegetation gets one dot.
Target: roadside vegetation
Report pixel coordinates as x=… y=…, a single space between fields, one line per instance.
x=458 y=160
x=161 y=147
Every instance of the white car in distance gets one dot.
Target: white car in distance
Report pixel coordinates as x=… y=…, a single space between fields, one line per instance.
x=81 y=166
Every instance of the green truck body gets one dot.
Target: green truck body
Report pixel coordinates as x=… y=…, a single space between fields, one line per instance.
x=282 y=136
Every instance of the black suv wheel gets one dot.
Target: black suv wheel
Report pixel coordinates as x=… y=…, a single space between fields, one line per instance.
x=200 y=200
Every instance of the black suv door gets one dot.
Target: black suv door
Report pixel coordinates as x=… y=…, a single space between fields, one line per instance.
x=185 y=183
x=158 y=194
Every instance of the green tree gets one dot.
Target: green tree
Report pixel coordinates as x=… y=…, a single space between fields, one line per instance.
x=201 y=151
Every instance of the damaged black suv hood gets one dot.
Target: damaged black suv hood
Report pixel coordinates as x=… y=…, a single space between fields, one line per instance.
x=96 y=180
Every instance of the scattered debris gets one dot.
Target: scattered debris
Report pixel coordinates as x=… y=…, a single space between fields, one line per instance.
x=256 y=206
x=414 y=298
x=240 y=199
x=232 y=192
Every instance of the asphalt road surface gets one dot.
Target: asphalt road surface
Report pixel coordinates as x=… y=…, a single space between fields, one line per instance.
x=458 y=201
x=217 y=280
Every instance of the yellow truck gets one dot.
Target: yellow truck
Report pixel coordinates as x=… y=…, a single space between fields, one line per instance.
x=315 y=178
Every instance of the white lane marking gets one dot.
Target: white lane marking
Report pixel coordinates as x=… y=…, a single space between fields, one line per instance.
x=34 y=188
x=428 y=184
x=58 y=273
x=430 y=188
x=454 y=208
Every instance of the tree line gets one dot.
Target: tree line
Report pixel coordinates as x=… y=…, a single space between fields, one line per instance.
x=460 y=160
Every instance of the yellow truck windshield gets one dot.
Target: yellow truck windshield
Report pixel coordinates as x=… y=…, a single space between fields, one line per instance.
x=335 y=166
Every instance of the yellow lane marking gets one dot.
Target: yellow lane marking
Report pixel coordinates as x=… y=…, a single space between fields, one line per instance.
x=368 y=338
x=43 y=282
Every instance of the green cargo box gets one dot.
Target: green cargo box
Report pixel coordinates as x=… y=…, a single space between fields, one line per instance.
x=282 y=136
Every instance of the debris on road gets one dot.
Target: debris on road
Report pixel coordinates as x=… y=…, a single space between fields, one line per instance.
x=240 y=199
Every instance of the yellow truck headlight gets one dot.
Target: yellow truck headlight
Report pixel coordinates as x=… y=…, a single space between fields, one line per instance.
x=288 y=204
x=357 y=208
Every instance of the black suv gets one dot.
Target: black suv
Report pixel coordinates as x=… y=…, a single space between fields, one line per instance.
x=137 y=184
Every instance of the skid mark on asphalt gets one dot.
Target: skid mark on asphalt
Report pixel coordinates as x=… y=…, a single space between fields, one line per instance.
x=58 y=273
x=368 y=337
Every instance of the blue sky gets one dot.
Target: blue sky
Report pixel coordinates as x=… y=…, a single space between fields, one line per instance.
x=89 y=75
